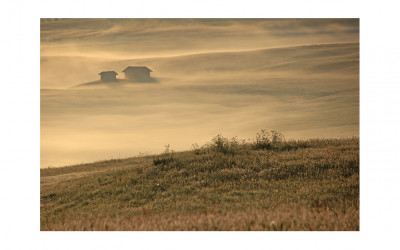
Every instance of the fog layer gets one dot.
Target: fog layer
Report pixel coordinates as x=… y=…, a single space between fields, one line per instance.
x=74 y=51
x=302 y=91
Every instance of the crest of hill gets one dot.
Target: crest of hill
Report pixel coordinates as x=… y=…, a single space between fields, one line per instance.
x=340 y=58
x=323 y=57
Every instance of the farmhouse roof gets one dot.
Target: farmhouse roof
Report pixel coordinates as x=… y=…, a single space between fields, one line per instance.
x=137 y=67
x=108 y=72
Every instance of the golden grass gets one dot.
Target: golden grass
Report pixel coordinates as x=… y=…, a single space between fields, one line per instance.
x=225 y=185
x=284 y=218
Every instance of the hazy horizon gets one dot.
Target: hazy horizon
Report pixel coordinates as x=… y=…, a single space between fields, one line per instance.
x=214 y=76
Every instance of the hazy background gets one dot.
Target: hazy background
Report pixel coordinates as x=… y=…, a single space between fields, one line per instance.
x=215 y=76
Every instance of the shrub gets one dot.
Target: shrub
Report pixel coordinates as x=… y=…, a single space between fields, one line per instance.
x=225 y=145
x=166 y=158
x=199 y=150
x=276 y=137
x=268 y=140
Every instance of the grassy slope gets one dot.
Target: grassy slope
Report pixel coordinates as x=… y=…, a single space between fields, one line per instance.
x=225 y=185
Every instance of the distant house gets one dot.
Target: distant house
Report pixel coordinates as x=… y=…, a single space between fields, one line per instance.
x=137 y=73
x=108 y=76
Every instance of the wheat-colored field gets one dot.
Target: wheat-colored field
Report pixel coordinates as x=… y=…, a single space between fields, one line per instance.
x=228 y=184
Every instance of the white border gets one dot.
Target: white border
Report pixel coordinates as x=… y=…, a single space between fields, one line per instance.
x=20 y=114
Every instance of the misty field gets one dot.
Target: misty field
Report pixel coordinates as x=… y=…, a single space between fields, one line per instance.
x=303 y=91
x=267 y=183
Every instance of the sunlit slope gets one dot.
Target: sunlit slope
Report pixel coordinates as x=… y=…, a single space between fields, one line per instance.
x=307 y=59
x=224 y=185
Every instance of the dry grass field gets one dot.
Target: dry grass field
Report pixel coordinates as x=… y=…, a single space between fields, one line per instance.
x=268 y=183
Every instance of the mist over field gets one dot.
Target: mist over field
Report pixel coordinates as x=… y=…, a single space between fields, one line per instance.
x=232 y=77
